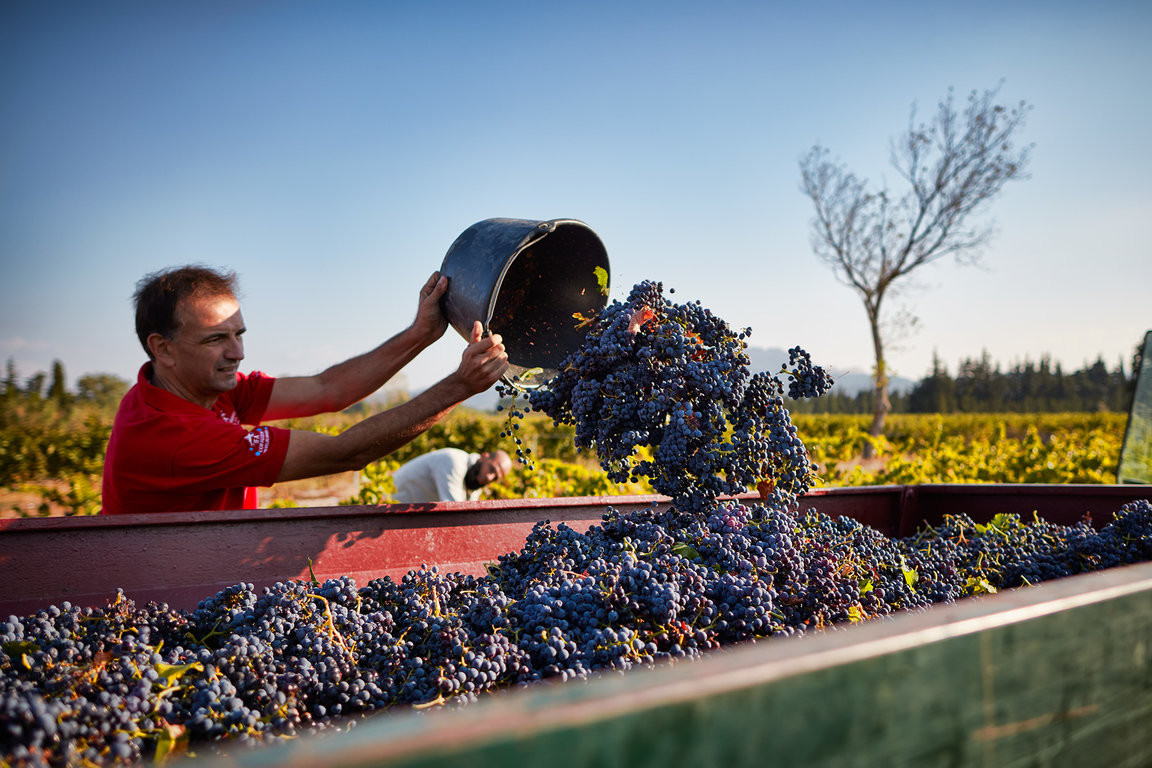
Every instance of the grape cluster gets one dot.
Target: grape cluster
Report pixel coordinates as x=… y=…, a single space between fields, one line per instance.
x=125 y=684
x=663 y=391
x=659 y=390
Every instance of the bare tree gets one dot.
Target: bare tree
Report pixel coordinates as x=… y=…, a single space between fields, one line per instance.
x=951 y=166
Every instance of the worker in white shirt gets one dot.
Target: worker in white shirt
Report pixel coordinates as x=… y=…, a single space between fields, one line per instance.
x=449 y=474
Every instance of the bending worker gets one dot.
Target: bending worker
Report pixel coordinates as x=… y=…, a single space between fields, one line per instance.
x=187 y=436
x=449 y=474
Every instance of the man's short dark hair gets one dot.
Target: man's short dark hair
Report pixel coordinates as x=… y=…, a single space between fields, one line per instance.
x=159 y=293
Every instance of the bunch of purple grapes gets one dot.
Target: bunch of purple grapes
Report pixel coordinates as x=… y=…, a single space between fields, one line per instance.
x=663 y=391
x=124 y=684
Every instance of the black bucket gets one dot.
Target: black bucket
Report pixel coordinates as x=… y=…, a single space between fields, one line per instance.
x=531 y=282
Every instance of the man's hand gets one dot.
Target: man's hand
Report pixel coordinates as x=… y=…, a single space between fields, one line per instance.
x=430 y=322
x=484 y=360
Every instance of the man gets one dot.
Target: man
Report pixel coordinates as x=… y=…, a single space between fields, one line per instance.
x=178 y=440
x=449 y=474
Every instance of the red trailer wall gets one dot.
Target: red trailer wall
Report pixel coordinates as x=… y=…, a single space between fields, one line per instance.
x=181 y=558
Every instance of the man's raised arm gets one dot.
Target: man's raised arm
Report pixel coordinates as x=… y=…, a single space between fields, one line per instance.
x=343 y=384
x=311 y=454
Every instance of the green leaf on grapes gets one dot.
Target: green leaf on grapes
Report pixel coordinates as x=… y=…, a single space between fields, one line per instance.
x=168 y=676
x=910 y=575
x=602 y=280
x=312 y=574
x=856 y=613
x=530 y=374
x=16 y=648
x=163 y=748
x=978 y=585
x=169 y=673
x=173 y=739
x=866 y=585
x=998 y=525
x=685 y=550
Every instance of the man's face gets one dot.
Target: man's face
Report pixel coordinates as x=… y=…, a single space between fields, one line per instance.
x=205 y=352
x=492 y=467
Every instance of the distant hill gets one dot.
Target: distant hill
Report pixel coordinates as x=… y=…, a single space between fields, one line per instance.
x=848 y=381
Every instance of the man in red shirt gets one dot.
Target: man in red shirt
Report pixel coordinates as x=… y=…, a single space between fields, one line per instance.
x=179 y=441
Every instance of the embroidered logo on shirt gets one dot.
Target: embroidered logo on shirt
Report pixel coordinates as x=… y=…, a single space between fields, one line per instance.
x=258 y=440
x=230 y=417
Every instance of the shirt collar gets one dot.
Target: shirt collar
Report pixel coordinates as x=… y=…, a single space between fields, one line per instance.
x=160 y=398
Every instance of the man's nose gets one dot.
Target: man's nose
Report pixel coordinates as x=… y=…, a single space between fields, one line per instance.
x=235 y=350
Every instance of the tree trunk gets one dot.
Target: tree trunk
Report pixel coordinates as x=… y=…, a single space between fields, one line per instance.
x=880 y=403
x=879 y=414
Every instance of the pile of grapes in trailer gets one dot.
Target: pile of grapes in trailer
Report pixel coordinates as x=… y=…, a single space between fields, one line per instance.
x=660 y=391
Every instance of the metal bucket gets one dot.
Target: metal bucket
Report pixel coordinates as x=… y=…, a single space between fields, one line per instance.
x=529 y=281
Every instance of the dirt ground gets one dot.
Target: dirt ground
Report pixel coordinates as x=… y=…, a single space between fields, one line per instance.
x=314 y=492
x=18 y=504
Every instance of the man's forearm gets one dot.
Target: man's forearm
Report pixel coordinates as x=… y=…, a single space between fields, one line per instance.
x=311 y=454
x=384 y=432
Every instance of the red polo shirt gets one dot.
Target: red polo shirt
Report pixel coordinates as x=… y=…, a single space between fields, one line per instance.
x=166 y=454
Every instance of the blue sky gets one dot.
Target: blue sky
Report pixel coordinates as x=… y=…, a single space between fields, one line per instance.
x=331 y=152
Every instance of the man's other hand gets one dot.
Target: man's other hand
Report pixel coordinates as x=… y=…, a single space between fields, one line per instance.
x=484 y=361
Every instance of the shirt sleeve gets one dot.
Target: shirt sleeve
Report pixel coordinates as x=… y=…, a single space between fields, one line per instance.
x=251 y=396
x=222 y=455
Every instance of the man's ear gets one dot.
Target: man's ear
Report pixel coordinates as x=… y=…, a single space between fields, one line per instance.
x=160 y=347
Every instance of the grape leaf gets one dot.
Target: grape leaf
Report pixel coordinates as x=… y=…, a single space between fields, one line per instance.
x=172 y=672
x=602 y=280
x=639 y=317
x=583 y=321
x=998 y=525
x=980 y=586
x=910 y=575
x=764 y=488
x=16 y=647
x=173 y=740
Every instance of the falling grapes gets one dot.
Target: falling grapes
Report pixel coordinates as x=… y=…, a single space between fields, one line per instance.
x=663 y=391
